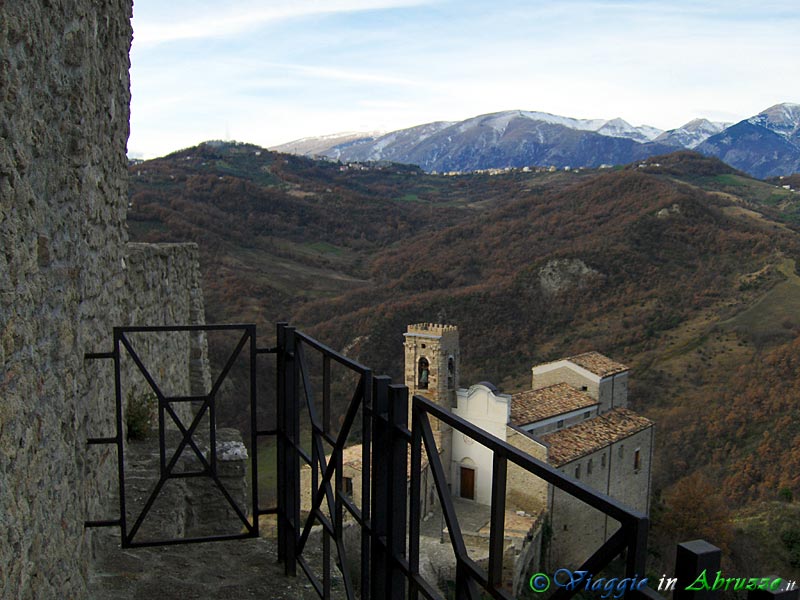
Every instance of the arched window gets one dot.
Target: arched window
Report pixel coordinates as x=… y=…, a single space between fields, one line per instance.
x=422 y=373
x=451 y=373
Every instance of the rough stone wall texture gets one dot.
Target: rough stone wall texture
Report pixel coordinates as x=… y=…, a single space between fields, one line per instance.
x=565 y=375
x=527 y=562
x=524 y=490
x=64 y=98
x=162 y=287
x=64 y=109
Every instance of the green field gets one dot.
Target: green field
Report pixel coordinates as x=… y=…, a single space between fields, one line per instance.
x=775 y=312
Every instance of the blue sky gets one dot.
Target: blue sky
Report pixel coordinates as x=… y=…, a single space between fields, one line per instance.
x=270 y=72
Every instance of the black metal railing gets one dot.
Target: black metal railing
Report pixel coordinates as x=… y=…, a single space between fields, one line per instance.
x=631 y=537
x=382 y=512
x=387 y=514
x=296 y=393
x=390 y=506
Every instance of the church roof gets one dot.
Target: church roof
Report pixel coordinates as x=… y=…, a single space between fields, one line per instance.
x=597 y=363
x=535 y=405
x=589 y=436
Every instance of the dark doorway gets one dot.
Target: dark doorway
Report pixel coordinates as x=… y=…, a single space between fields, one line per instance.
x=468 y=483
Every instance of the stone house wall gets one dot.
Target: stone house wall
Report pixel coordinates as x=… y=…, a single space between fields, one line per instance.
x=578 y=530
x=524 y=490
x=610 y=392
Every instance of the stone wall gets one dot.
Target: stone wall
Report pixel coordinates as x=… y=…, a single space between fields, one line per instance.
x=162 y=287
x=610 y=392
x=66 y=279
x=565 y=373
x=524 y=490
x=578 y=530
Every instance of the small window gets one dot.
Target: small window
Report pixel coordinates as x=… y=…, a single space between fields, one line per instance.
x=560 y=423
x=347 y=482
x=578 y=472
x=422 y=373
x=637 y=463
x=451 y=373
x=587 y=414
x=584 y=388
x=603 y=461
x=589 y=467
x=565 y=526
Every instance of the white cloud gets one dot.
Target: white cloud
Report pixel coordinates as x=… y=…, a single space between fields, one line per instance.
x=215 y=22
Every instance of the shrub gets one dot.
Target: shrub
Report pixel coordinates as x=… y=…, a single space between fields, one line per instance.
x=139 y=414
x=791 y=539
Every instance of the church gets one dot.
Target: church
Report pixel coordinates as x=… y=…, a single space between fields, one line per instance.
x=575 y=417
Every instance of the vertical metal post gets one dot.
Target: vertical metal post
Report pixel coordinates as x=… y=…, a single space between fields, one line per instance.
x=398 y=491
x=366 y=485
x=497 y=520
x=123 y=519
x=414 y=509
x=288 y=459
x=637 y=548
x=280 y=391
x=253 y=427
x=292 y=457
x=381 y=493
x=691 y=559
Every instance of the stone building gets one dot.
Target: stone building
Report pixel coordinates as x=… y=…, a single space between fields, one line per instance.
x=574 y=417
x=67 y=277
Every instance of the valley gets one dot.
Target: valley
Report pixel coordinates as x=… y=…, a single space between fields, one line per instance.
x=683 y=268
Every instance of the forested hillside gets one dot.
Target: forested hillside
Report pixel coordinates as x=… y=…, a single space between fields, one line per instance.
x=680 y=267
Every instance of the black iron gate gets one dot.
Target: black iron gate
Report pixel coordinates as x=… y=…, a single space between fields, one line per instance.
x=189 y=432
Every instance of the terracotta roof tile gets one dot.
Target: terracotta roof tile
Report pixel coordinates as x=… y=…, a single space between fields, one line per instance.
x=589 y=436
x=535 y=405
x=597 y=363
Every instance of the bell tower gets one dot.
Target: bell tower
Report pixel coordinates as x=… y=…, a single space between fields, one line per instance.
x=432 y=363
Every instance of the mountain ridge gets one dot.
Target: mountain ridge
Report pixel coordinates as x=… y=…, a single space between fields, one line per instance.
x=517 y=138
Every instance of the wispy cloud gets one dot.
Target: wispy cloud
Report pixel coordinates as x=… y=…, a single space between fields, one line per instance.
x=348 y=75
x=216 y=22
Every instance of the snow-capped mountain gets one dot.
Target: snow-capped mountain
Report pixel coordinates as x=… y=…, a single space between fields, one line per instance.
x=692 y=134
x=311 y=146
x=767 y=144
x=783 y=119
x=510 y=138
x=623 y=129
